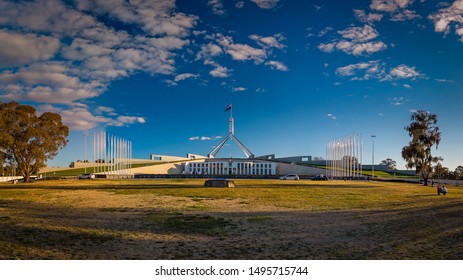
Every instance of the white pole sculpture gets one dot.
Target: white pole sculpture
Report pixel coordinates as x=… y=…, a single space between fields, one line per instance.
x=344 y=157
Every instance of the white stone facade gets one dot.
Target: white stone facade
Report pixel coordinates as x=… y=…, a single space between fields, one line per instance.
x=233 y=167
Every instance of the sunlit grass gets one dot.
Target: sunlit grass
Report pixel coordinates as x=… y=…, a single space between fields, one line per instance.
x=301 y=195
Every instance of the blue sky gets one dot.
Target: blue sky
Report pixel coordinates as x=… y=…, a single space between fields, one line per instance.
x=299 y=73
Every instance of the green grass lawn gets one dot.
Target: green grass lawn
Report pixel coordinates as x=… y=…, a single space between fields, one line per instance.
x=259 y=219
x=79 y=171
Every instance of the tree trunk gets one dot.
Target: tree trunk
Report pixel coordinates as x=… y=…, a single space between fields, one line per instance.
x=425 y=176
x=27 y=178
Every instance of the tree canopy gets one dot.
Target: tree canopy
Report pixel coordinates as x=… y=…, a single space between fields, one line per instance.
x=27 y=140
x=425 y=134
x=390 y=163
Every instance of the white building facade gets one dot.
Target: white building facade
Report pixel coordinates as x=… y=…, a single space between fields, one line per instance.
x=231 y=167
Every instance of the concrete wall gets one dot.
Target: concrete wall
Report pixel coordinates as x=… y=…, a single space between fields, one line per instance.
x=166 y=158
x=285 y=168
x=384 y=168
x=10 y=178
x=92 y=164
x=85 y=164
x=297 y=159
x=175 y=158
x=167 y=168
x=52 y=169
x=193 y=156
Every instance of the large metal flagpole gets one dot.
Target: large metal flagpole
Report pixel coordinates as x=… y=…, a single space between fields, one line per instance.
x=232 y=122
x=231 y=135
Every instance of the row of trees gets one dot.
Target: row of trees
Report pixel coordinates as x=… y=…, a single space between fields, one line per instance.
x=438 y=171
x=442 y=172
x=28 y=140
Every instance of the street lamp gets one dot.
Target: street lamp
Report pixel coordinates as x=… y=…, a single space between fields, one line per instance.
x=85 y=152
x=373 y=157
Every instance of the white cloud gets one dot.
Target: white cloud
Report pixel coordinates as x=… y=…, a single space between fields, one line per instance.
x=328 y=48
x=17 y=49
x=77 y=116
x=371 y=18
x=181 y=77
x=217 y=6
x=48 y=82
x=220 y=71
x=359 y=34
x=45 y=16
x=80 y=55
x=358 y=49
x=241 y=52
x=372 y=69
x=270 y=41
x=126 y=120
x=407 y=86
x=80 y=49
x=375 y=70
x=266 y=4
x=405 y=15
x=239 y=4
x=324 y=31
x=185 y=76
x=204 y=138
x=276 y=65
x=403 y=72
x=100 y=110
x=397 y=101
x=396 y=8
x=446 y=17
x=155 y=17
x=236 y=89
x=444 y=81
x=246 y=52
x=355 y=41
x=331 y=116
x=389 y=5
x=208 y=51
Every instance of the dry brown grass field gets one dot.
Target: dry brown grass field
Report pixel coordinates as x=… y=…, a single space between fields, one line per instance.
x=259 y=219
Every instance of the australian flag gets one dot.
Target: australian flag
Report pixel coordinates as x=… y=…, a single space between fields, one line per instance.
x=228 y=108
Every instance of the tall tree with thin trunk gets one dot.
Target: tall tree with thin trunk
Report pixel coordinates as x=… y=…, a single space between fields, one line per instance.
x=28 y=140
x=425 y=135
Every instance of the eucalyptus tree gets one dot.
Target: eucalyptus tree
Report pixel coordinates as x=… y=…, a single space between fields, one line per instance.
x=425 y=135
x=28 y=140
x=390 y=163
